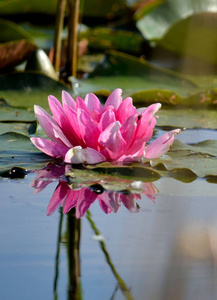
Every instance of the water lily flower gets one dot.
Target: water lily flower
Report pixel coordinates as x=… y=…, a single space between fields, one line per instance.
x=87 y=132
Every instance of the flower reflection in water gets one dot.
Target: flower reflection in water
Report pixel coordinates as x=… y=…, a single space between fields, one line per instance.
x=79 y=193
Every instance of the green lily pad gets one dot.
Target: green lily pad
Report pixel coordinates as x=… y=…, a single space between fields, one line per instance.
x=108 y=9
x=13 y=114
x=11 y=31
x=16 y=150
x=185 y=163
x=23 y=128
x=154 y=25
x=10 y=7
x=102 y=39
x=187 y=118
x=194 y=37
x=28 y=88
x=132 y=75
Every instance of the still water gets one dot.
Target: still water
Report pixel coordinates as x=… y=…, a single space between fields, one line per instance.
x=166 y=250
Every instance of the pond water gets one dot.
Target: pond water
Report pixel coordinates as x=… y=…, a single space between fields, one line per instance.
x=167 y=250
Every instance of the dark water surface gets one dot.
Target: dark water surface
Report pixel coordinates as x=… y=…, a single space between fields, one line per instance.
x=168 y=250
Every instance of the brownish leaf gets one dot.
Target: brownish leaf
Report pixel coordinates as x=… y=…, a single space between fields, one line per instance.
x=15 y=52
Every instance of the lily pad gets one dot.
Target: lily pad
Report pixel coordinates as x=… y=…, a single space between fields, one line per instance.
x=14 y=53
x=23 y=128
x=10 y=7
x=28 y=88
x=11 y=31
x=102 y=39
x=16 y=150
x=187 y=118
x=132 y=75
x=194 y=37
x=154 y=25
x=184 y=163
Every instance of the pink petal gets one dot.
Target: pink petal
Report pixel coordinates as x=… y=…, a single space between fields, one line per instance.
x=68 y=100
x=92 y=103
x=107 y=118
x=128 y=201
x=61 y=119
x=114 y=99
x=49 y=147
x=74 y=129
x=86 y=198
x=111 y=200
x=88 y=128
x=150 y=190
x=112 y=140
x=77 y=155
x=128 y=129
x=146 y=122
x=140 y=138
x=71 y=200
x=125 y=110
x=50 y=127
x=161 y=145
x=80 y=104
x=58 y=196
x=105 y=208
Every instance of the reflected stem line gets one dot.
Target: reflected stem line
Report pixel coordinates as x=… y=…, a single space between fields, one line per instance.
x=57 y=255
x=121 y=283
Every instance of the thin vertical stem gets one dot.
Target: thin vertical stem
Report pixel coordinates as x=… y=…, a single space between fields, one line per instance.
x=120 y=281
x=73 y=244
x=57 y=255
x=61 y=5
x=72 y=51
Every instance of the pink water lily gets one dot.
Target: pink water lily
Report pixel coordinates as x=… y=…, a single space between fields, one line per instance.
x=87 y=132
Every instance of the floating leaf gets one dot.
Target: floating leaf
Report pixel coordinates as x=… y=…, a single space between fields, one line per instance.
x=11 y=31
x=143 y=8
x=132 y=75
x=194 y=37
x=102 y=39
x=187 y=118
x=10 y=7
x=108 y=9
x=154 y=25
x=24 y=128
x=17 y=150
x=14 y=53
x=28 y=88
x=188 y=162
